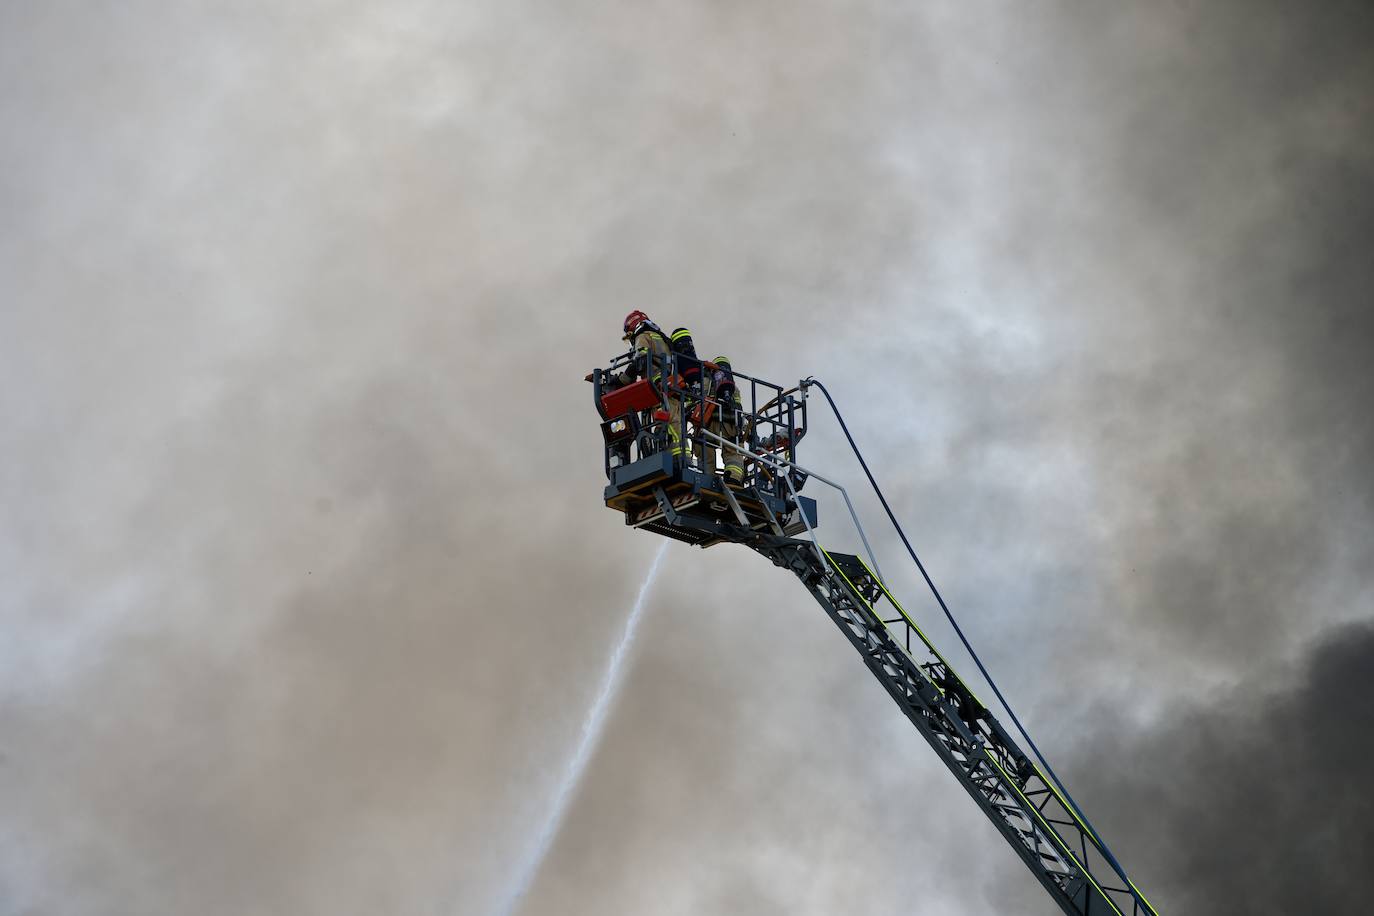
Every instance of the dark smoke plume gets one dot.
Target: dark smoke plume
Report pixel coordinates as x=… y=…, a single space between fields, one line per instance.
x=1255 y=799
x=306 y=577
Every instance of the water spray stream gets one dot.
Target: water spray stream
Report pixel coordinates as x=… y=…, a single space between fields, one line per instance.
x=590 y=737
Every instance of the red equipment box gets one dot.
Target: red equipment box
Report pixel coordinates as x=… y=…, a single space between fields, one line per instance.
x=640 y=395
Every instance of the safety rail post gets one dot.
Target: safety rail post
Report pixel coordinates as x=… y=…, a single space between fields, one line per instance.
x=605 y=446
x=670 y=379
x=752 y=420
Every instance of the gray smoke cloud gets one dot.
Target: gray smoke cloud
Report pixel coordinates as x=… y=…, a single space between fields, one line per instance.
x=1253 y=801
x=308 y=582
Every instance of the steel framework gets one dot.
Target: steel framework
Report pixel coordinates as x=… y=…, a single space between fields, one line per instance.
x=682 y=498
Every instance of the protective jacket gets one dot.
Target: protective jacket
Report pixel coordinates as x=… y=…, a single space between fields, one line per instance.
x=651 y=356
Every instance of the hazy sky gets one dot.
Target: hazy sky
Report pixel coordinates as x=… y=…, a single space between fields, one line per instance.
x=307 y=580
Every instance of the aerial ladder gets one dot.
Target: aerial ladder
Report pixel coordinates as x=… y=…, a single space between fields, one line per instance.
x=683 y=497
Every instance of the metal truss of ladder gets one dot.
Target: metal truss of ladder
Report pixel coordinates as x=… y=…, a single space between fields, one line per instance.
x=1029 y=812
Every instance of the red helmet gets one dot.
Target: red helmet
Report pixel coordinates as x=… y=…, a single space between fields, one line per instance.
x=633 y=321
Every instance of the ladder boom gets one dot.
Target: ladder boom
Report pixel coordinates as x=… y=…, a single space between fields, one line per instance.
x=1029 y=813
x=660 y=459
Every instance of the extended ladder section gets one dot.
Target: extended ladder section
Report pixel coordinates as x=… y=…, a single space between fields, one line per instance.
x=662 y=476
x=1028 y=811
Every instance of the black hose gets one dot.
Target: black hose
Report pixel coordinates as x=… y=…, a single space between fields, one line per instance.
x=1097 y=839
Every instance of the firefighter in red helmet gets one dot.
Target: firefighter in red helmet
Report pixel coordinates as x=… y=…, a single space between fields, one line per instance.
x=652 y=359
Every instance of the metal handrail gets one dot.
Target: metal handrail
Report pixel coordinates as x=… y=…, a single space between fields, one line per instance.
x=779 y=464
x=778 y=414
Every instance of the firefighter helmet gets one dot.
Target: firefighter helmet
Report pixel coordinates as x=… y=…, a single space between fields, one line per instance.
x=633 y=321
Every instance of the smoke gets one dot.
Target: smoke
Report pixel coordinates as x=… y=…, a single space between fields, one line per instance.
x=304 y=545
x=527 y=868
x=1252 y=799
x=1234 y=438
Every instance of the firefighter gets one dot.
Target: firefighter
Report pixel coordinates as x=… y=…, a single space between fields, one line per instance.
x=688 y=366
x=725 y=418
x=689 y=374
x=652 y=360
